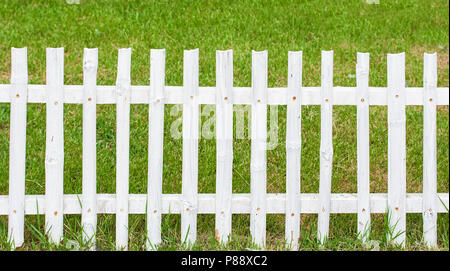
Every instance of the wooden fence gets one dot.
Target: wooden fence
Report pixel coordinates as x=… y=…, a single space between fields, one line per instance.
x=54 y=204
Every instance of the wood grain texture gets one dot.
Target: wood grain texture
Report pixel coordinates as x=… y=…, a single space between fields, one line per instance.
x=123 y=94
x=89 y=174
x=363 y=155
x=18 y=124
x=396 y=148
x=326 y=145
x=155 y=150
x=224 y=144
x=54 y=146
x=430 y=199
x=293 y=150
x=258 y=156
x=189 y=185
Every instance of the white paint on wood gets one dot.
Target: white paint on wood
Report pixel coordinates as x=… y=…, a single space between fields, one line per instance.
x=326 y=145
x=224 y=144
x=189 y=185
x=223 y=204
x=342 y=203
x=293 y=150
x=258 y=163
x=362 y=134
x=123 y=95
x=17 y=138
x=73 y=94
x=54 y=150
x=89 y=211
x=396 y=147
x=429 y=151
x=155 y=150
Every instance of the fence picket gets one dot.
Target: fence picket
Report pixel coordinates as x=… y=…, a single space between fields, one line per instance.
x=17 y=145
x=190 y=148
x=123 y=95
x=396 y=147
x=54 y=150
x=293 y=149
x=429 y=151
x=326 y=145
x=258 y=163
x=155 y=150
x=89 y=199
x=362 y=131
x=224 y=144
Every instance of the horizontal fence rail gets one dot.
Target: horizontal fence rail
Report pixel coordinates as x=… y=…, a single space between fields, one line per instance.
x=345 y=203
x=258 y=203
x=73 y=94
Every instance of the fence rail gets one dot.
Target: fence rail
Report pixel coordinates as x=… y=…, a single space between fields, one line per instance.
x=54 y=204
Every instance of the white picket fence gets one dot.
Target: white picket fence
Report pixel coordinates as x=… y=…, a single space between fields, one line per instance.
x=54 y=204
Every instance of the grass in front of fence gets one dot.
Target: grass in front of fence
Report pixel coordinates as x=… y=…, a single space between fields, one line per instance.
x=413 y=27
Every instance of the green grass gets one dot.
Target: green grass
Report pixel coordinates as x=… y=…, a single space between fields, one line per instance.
x=347 y=27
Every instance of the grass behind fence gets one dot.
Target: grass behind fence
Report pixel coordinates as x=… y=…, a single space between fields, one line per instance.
x=347 y=27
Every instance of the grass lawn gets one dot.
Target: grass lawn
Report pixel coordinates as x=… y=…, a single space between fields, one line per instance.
x=347 y=27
